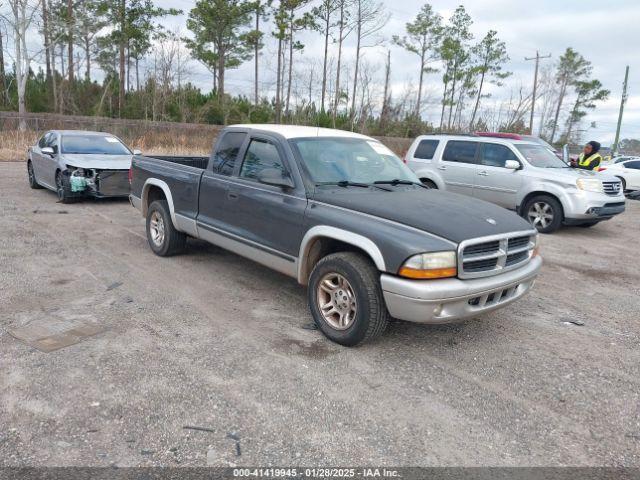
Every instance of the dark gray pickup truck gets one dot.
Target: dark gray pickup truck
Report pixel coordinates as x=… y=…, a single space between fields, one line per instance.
x=342 y=214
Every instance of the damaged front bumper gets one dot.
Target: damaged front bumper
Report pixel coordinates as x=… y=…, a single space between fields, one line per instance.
x=90 y=182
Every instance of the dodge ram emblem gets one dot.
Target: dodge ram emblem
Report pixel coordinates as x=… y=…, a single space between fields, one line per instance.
x=491 y=221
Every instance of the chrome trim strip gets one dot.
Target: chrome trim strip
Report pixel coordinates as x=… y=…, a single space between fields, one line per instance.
x=238 y=238
x=274 y=262
x=385 y=220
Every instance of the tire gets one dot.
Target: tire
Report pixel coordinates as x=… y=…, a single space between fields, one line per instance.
x=624 y=184
x=428 y=183
x=162 y=235
x=589 y=224
x=544 y=213
x=33 y=183
x=364 y=314
x=63 y=189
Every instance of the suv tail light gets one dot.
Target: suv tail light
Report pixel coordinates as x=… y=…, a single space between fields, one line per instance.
x=405 y=157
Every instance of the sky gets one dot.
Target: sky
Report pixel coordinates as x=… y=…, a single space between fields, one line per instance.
x=604 y=32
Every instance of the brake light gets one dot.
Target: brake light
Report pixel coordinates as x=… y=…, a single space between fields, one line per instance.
x=602 y=169
x=130 y=175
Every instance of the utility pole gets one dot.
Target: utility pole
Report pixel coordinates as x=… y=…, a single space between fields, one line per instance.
x=622 y=102
x=537 y=58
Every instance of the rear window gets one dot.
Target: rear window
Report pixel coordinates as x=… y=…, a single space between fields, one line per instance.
x=226 y=153
x=460 y=151
x=426 y=149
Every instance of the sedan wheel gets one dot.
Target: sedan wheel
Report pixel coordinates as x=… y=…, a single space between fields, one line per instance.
x=336 y=301
x=541 y=214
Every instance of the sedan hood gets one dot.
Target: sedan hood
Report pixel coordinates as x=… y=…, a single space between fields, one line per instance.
x=447 y=215
x=100 y=162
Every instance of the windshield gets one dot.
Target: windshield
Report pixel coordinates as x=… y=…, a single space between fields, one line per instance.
x=93 y=144
x=333 y=160
x=540 y=156
x=539 y=141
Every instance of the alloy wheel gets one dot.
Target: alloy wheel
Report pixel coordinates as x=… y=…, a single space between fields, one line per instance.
x=540 y=214
x=336 y=301
x=156 y=228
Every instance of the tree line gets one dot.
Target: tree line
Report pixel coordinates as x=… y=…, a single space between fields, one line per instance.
x=116 y=58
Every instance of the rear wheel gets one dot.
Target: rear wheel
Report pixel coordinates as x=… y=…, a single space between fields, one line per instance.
x=162 y=236
x=33 y=183
x=346 y=299
x=428 y=183
x=544 y=213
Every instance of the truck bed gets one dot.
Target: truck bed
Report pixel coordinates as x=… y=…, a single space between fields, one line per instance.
x=191 y=161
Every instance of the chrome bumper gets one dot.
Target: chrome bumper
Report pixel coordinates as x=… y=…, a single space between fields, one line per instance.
x=451 y=299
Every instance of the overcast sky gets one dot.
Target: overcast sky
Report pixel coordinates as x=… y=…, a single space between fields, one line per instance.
x=606 y=32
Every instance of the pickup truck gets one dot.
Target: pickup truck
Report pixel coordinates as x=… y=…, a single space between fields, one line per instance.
x=343 y=215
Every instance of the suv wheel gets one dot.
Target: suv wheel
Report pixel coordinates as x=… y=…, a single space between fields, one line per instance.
x=162 y=236
x=346 y=299
x=544 y=213
x=33 y=183
x=428 y=183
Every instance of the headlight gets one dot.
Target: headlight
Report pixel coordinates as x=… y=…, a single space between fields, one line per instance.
x=430 y=265
x=590 y=185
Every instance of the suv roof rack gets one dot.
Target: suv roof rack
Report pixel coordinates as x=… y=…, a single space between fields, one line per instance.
x=511 y=136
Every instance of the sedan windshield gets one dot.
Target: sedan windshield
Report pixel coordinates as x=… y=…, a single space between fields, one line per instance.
x=540 y=156
x=333 y=160
x=93 y=144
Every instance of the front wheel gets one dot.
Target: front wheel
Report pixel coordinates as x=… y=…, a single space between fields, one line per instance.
x=346 y=299
x=63 y=189
x=429 y=183
x=544 y=213
x=33 y=183
x=162 y=236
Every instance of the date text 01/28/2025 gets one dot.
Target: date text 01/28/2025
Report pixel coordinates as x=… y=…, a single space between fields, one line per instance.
x=315 y=473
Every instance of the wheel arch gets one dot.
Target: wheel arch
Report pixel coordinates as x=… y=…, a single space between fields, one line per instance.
x=537 y=193
x=432 y=176
x=150 y=193
x=321 y=240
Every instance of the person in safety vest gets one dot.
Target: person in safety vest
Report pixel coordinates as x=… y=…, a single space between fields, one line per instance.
x=589 y=159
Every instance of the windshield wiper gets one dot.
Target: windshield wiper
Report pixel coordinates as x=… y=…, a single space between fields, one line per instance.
x=397 y=181
x=347 y=183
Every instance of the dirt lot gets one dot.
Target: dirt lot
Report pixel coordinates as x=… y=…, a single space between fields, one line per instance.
x=211 y=340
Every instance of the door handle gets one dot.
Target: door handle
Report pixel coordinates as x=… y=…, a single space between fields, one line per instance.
x=232 y=196
x=442 y=167
x=483 y=174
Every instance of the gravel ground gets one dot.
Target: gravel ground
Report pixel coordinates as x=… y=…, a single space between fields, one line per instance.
x=211 y=340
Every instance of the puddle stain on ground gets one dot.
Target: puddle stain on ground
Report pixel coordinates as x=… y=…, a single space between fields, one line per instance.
x=317 y=349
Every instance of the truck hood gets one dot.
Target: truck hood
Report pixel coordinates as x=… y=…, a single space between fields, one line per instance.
x=447 y=215
x=100 y=162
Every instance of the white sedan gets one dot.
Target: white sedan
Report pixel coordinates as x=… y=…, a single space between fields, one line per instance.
x=628 y=171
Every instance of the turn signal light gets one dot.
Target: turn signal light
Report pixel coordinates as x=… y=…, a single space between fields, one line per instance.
x=428 y=274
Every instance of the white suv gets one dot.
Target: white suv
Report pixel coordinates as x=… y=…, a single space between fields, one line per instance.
x=520 y=175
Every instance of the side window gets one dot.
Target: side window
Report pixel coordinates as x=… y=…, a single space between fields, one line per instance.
x=494 y=155
x=260 y=156
x=426 y=149
x=635 y=165
x=460 y=151
x=226 y=153
x=52 y=142
x=43 y=140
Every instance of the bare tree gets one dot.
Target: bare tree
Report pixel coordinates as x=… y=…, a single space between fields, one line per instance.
x=23 y=15
x=369 y=18
x=4 y=97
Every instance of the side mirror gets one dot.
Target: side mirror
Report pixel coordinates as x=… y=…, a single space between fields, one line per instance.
x=512 y=165
x=275 y=177
x=137 y=152
x=48 y=151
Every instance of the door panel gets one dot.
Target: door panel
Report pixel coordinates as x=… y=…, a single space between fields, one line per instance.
x=50 y=162
x=265 y=214
x=493 y=182
x=38 y=159
x=458 y=166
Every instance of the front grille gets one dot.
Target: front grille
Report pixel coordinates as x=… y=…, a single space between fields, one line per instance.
x=113 y=182
x=612 y=188
x=489 y=256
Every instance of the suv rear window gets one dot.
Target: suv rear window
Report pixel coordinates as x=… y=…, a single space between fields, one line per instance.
x=226 y=153
x=460 y=151
x=426 y=149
